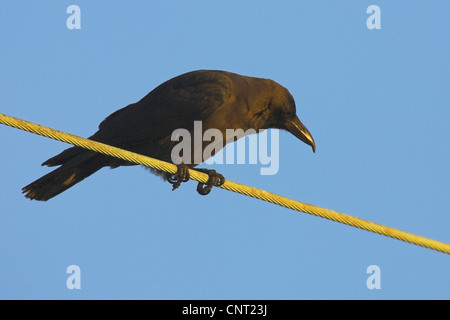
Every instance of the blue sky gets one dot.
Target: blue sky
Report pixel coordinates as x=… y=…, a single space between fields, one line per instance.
x=376 y=102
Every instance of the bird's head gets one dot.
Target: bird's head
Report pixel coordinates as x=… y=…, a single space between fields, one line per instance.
x=280 y=113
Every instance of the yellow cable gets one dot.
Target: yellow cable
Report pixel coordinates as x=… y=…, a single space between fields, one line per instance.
x=228 y=185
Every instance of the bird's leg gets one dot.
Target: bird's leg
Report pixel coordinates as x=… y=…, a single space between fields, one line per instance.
x=215 y=179
x=182 y=175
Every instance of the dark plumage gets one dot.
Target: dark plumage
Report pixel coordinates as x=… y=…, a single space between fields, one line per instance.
x=220 y=99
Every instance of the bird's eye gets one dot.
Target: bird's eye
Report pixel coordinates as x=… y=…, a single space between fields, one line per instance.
x=284 y=114
x=288 y=114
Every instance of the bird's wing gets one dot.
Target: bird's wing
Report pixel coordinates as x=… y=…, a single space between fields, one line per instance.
x=176 y=103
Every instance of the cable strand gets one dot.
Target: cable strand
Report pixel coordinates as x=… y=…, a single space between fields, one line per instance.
x=228 y=185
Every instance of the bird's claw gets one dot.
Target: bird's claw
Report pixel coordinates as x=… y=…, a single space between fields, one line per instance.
x=215 y=180
x=182 y=175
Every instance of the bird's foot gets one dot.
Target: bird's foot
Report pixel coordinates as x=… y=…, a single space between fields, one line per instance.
x=182 y=175
x=215 y=180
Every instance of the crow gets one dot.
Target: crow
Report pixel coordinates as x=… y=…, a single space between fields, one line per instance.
x=219 y=99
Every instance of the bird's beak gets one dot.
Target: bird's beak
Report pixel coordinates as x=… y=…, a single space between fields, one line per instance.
x=298 y=129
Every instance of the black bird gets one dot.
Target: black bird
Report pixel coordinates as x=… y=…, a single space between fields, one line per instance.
x=220 y=99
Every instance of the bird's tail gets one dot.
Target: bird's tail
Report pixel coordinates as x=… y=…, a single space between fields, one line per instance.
x=76 y=165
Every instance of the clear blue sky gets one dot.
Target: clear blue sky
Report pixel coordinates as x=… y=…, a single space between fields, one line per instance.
x=376 y=102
